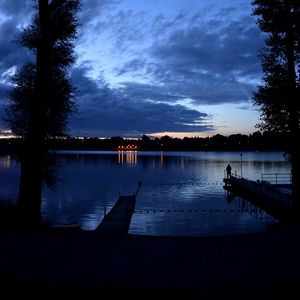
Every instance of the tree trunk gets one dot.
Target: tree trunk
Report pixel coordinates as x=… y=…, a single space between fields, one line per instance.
x=30 y=187
x=32 y=162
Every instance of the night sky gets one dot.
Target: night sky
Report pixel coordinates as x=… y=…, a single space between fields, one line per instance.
x=155 y=67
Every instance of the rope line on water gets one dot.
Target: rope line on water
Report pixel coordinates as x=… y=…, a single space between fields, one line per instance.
x=182 y=183
x=151 y=211
x=258 y=213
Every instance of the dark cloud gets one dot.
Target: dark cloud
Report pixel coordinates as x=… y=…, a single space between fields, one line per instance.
x=157 y=61
x=89 y=15
x=4 y=89
x=107 y=112
x=91 y=9
x=232 y=49
x=13 y=15
x=226 y=11
x=122 y=28
x=11 y=54
x=19 y=10
x=150 y=92
x=211 y=64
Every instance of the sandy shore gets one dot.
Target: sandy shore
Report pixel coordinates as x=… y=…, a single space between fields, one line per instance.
x=250 y=266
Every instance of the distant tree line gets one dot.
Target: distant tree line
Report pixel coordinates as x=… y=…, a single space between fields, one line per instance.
x=236 y=142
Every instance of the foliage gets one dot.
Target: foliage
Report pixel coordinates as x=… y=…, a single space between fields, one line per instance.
x=61 y=93
x=280 y=59
x=58 y=99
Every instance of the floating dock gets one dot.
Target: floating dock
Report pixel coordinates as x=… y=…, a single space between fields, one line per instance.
x=275 y=199
x=119 y=217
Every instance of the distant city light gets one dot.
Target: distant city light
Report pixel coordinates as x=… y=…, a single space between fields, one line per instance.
x=6 y=134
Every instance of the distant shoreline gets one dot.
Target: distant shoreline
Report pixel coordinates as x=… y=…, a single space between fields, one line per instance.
x=236 y=142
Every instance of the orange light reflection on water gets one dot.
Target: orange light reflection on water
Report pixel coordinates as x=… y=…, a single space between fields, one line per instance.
x=5 y=161
x=128 y=157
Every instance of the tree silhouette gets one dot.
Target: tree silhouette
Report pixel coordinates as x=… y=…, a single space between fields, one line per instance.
x=42 y=97
x=278 y=96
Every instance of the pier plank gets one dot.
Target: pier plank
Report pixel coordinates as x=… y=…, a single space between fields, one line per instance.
x=119 y=217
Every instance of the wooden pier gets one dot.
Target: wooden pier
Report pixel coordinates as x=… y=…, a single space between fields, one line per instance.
x=119 y=217
x=275 y=199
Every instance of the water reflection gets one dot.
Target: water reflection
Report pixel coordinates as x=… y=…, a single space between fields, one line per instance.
x=244 y=206
x=9 y=177
x=185 y=189
x=128 y=157
x=5 y=161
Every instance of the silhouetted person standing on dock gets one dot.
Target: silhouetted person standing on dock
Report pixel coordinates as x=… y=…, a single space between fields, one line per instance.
x=228 y=171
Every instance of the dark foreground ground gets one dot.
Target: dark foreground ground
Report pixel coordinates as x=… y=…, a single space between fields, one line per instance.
x=253 y=266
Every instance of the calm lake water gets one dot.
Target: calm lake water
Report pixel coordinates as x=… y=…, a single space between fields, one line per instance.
x=182 y=192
